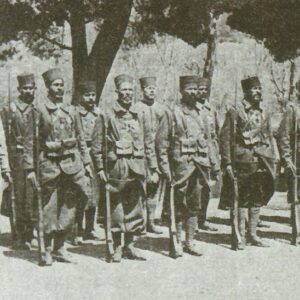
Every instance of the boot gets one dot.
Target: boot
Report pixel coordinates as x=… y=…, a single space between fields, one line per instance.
x=253 y=239
x=152 y=228
x=117 y=257
x=59 y=251
x=89 y=224
x=130 y=251
x=242 y=213
x=191 y=225
x=48 y=260
x=205 y=226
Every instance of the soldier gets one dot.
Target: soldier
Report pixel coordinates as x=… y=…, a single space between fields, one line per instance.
x=18 y=113
x=287 y=136
x=154 y=111
x=211 y=127
x=182 y=153
x=64 y=162
x=4 y=164
x=88 y=113
x=247 y=152
x=128 y=142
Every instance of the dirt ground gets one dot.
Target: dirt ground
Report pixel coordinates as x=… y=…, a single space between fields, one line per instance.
x=256 y=273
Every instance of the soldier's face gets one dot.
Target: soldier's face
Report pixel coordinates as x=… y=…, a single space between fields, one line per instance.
x=27 y=92
x=56 y=89
x=189 y=93
x=125 y=93
x=202 y=93
x=150 y=92
x=88 y=99
x=255 y=94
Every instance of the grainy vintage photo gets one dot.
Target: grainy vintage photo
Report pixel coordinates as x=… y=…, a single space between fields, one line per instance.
x=149 y=149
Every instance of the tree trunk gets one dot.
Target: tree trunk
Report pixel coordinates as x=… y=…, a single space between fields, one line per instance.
x=79 y=47
x=108 y=43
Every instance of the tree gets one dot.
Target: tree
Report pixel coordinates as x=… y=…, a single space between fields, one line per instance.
x=275 y=23
x=34 y=19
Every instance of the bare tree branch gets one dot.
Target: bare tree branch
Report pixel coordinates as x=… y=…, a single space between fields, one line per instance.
x=54 y=42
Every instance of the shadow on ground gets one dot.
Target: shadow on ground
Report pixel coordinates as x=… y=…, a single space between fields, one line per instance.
x=275 y=219
x=220 y=221
x=213 y=238
x=5 y=240
x=275 y=235
x=92 y=250
x=158 y=245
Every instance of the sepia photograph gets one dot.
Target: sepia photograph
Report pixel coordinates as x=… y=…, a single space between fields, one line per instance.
x=149 y=149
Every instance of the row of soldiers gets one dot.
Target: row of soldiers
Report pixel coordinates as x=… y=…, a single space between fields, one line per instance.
x=131 y=149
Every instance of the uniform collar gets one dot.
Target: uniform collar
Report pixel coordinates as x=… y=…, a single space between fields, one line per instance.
x=84 y=112
x=148 y=102
x=21 y=105
x=51 y=106
x=187 y=111
x=121 y=110
x=248 y=106
x=205 y=105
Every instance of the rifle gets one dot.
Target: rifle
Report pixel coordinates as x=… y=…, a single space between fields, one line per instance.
x=40 y=225
x=108 y=234
x=295 y=205
x=12 y=217
x=235 y=233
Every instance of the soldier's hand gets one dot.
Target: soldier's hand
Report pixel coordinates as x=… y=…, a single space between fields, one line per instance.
x=32 y=178
x=88 y=171
x=230 y=173
x=154 y=178
x=102 y=176
x=168 y=176
x=291 y=167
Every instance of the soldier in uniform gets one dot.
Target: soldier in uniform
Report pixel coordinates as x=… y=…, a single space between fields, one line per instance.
x=247 y=152
x=4 y=164
x=18 y=113
x=286 y=143
x=64 y=163
x=182 y=153
x=153 y=111
x=128 y=143
x=88 y=113
x=211 y=127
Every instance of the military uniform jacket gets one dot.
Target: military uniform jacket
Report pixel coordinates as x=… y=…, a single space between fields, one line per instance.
x=61 y=140
x=153 y=112
x=211 y=128
x=126 y=143
x=287 y=135
x=181 y=144
x=246 y=144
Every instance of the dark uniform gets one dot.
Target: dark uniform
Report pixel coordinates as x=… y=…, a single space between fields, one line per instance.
x=286 y=138
x=254 y=163
x=20 y=114
x=183 y=150
x=88 y=119
x=211 y=128
x=152 y=110
x=129 y=144
x=63 y=154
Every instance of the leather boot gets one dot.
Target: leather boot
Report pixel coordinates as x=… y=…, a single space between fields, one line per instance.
x=191 y=225
x=117 y=257
x=242 y=213
x=59 y=251
x=253 y=239
x=48 y=260
x=89 y=224
x=152 y=228
x=130 y=251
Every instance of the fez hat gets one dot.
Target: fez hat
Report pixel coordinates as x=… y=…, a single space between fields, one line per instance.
x=51 y=75
x=147 y=81
x=186 y=80
x=203 y=81
x=249 y=83
x=87 y=87
x=25 y=78
x=123 y=78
